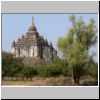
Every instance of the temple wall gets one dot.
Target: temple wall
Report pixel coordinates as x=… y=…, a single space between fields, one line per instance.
x=16 y=52
x=13 y=50
x=31 y=51
x=36 y=51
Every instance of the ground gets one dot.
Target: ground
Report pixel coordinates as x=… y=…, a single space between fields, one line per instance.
x=52 y=81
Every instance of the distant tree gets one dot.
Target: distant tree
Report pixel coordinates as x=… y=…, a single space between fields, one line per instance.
x=76 y=45
x=53 y=69
x=28 y=72
x=92 y=69
x=10 y=66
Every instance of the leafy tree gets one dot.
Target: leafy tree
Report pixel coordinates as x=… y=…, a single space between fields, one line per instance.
x=55 y=68
x=28 y=72
x=41 y=71
x=10 y=66
x=76 y=44
x=93 y=68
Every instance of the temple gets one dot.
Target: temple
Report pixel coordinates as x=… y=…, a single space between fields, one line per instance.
x=33 y=46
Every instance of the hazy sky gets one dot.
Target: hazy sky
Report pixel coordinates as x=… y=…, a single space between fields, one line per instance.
x=51 y=26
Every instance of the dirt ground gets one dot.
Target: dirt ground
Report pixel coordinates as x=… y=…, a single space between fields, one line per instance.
x=52 y=81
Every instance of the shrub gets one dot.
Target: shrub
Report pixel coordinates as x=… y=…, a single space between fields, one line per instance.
x=28 y=72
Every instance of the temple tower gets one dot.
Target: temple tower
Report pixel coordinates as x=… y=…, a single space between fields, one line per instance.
x=33 y=46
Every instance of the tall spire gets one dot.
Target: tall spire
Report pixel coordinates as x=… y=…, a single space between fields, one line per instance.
x=32 y=20
x=32 y=27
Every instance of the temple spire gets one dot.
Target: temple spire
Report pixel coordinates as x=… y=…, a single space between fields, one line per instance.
x=32 y=27
x=32 y=20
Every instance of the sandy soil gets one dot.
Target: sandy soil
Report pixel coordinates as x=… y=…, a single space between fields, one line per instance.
x=52 y=81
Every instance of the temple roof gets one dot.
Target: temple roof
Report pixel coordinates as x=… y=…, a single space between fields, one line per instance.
x=29 y=37
x=32 y=27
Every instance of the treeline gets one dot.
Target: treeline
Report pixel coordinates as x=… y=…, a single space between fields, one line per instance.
x=15 y=68
x=12 y=67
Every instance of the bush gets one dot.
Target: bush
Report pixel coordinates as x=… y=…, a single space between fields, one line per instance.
x=53 y=70
x=41 y=71
x=15 y=68
x=27 y=72
x=67 y=72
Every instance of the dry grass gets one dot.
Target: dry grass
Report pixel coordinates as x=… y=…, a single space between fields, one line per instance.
x=52 y=81
x=38 y=81
x=22 y=83
x=60 y=81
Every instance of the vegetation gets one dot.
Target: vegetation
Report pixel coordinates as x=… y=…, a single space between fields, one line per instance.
x=75 y=47
x=13 y=67
x=76 y=59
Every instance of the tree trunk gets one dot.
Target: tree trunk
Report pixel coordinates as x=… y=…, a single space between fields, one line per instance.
x=12 y=78
x=76 y=80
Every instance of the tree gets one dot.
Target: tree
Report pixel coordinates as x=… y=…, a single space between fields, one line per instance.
x=76 y=44
x=53 y=69
x=28 y=72
x=10 y=66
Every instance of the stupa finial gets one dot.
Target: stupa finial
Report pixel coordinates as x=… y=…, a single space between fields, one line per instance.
x=32 y=20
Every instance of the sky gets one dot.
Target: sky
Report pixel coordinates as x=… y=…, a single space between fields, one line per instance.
x=51 y=26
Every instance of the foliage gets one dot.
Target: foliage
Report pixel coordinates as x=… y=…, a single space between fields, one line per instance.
x=55 y=68
x=15 y=68
x=28 y=72
x=76 y=44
